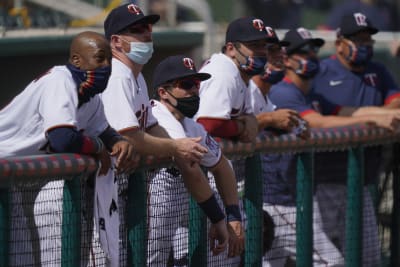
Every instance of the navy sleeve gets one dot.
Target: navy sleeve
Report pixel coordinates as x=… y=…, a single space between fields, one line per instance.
x=285 y=95
x=65 y=140
x=109 y=137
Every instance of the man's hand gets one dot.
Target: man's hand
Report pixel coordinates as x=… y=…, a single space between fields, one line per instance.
x=285 y=119
x=105 y=161
x=390 y=122
x=250 y=128
x=219 y=237
x=189 y=149
x=126 y=158
x=236 y=238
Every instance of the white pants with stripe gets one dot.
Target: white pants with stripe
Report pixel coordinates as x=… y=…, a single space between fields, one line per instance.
x=332 y=199
x=284 y=244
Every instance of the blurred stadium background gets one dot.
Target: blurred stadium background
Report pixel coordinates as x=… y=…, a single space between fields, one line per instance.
x=35 y=34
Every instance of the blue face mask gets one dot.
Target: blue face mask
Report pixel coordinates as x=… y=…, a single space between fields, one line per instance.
x=308 y=68
x=140 y=53
x=273 y=76
x=360 y=55
x=89 y=82
x=253 y=65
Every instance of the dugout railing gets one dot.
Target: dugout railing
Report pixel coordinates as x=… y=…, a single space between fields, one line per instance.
x=78 y=169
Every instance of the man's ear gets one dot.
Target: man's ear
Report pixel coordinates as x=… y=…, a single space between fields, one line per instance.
x=76 y=60
x=116 y=41
x=162 y=92
x=230 y=50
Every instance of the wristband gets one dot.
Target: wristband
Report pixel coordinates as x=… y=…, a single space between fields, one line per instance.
x=212 y=210
x=233 y=213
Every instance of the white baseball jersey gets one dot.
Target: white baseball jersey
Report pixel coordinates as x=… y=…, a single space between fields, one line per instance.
x=48 y=102
x=126 y=100
x=259 y=102
x=187 y=128
x=225 y=94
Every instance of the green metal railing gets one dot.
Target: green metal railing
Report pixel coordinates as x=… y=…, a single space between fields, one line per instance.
x=77 y=167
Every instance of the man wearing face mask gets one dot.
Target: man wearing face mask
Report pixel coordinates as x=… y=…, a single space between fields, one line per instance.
x=266 y=113
x=176 y=82
x=58 y=112
x=225 y=109
x=127 y=108
x=301 y=66
x=350 y=83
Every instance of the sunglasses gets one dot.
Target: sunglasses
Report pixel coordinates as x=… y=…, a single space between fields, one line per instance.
x=187 y=84
x=139 y=29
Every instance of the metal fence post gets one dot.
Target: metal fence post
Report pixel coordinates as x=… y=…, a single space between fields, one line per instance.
x=137 y=219
x=197 y=236
x=253 y=208
x=4 y=226
x=304 y=211
x=395 y=224
x=71 y=223
x=355 y=184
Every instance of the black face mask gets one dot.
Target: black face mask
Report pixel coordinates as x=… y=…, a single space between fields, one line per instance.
x=188 y=106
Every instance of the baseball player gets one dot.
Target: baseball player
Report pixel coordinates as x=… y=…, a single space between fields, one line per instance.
x=177 y=84
x=301 y=66
x=270 y=119
x=225 y=109
x=351 y=84
x=58 y=112
x=127 y=108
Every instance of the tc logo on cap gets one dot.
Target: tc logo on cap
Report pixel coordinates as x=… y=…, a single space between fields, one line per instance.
x=188 y=63
x=304 y=33
x=270 y=32
x=258 y=24
x=134 y=9
x=361 y=19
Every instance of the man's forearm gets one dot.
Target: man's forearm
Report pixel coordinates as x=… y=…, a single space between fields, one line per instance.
x=147 y=144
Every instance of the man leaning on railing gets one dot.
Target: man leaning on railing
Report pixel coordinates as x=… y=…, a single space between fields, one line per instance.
x=58 y=112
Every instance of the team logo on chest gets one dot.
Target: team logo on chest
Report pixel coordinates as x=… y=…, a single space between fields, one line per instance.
x=371 y=79
x=141 y=115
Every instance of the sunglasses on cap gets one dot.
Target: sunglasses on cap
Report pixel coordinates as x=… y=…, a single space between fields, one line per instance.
x=139 y=28
x=187 y=84
x=307 y=49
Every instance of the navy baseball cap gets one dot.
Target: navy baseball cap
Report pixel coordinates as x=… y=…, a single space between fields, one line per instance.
x=126 y=15
x=354 y=23
x=300 y=37
x=245 y=30
x=176 y=67
x=272 y=37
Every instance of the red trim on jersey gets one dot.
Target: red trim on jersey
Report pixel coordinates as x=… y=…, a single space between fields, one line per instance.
x=334 y=56
x=336 y=110
x=220 y=127
x=391 y=98
x=88 y=146
x=287 y=79
x=306 y=112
